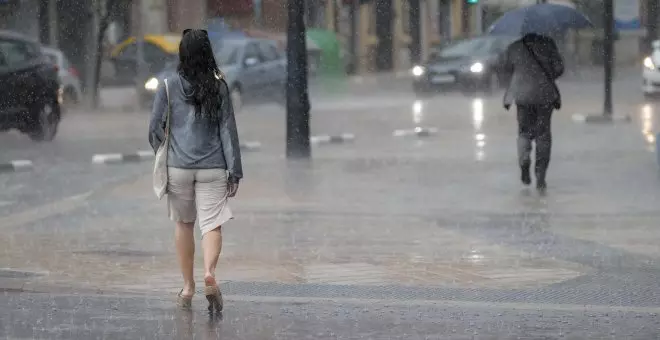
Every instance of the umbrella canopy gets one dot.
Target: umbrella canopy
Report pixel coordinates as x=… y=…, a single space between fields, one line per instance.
x=544 y=19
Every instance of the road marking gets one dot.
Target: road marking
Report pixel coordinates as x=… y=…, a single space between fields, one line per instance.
x=599 y=118
x=418 y=131
x=16 y=166
x=251 y=146
x=6 y=203
x=328 y=139
x=44 y=211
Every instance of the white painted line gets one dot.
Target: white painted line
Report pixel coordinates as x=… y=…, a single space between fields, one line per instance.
x=418 y=131
x=323 y=139
x=319 y=139
x=146 y=154
x=22 y=165
x=348 y=136
x=107 y=158
x=251 y=146
x=6 y=203
x=583 y=118
x=579 y=118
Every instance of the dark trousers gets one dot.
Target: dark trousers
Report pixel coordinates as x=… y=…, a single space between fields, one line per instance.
x=534 y=126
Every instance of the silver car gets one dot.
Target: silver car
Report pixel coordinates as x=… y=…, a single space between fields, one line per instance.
x=255 y=70
x=68 y=76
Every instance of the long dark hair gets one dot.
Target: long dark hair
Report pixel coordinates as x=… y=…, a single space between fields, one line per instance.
x=197 y=65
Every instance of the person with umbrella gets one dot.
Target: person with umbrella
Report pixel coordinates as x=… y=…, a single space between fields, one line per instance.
x=534 y=64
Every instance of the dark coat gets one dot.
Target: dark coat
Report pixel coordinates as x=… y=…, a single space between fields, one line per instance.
x=532 y=80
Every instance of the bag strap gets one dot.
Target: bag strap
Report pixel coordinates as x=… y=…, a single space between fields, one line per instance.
x=169 y=110
x=538 y=62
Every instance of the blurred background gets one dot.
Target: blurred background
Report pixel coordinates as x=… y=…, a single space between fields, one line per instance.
x=344 y=37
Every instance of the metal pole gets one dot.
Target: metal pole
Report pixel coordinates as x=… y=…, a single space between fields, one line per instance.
x=465 y=18
x=415 y=31
x=353 y=38
x=335 y=15
x=608 y=54
x=140 y=65
x=53 y=28
x=651 y=22
x=297 y=96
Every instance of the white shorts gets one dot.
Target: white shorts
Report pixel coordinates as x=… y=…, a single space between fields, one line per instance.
x=198 y=195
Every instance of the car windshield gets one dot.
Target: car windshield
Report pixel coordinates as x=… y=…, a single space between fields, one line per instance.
x=477 y=46
x=226 y=53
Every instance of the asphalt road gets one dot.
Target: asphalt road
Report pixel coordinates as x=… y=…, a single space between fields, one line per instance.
x=390 y=235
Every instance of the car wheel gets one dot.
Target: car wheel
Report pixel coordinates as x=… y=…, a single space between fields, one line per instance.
x=649 y=96
x=491 y=84
x=236 y=98
x=70 y=98
x=46 y=120
x=421 y=90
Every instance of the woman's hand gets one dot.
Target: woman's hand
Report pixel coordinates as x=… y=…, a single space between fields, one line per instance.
x=232 y=189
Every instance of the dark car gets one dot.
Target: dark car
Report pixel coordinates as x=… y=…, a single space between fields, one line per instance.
x=30 y=96
x=468 y=65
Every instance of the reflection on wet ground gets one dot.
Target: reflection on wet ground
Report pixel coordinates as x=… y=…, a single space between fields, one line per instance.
x=434 y=227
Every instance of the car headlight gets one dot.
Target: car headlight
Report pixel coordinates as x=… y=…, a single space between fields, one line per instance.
x=477 y=67
x=151 y=84
x=648 y=63
x=418 y=71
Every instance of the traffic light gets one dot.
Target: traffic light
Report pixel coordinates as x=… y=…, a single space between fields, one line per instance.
x=472 y=2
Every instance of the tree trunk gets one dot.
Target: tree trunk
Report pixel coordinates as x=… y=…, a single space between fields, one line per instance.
x=110 y=7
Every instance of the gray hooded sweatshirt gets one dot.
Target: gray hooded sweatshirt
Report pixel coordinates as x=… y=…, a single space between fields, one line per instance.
x=195 y=142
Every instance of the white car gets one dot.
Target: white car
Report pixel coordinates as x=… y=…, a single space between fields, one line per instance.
x=651 y=72
x=68 y=75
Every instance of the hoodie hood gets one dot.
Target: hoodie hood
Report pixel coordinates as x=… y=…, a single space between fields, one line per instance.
x=186 y=88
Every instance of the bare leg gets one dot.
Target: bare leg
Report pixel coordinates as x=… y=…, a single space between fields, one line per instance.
x=185 y=248
x=212 y=246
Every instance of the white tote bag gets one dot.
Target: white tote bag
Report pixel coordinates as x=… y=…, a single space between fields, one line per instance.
x=160 y=163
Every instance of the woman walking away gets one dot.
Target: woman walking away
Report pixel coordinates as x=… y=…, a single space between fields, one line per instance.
x=203 y=159
x=534 y=63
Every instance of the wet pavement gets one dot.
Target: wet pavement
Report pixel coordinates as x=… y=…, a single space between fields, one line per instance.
x=431 y=235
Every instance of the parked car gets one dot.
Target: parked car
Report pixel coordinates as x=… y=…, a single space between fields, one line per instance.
x=254 y=69
x=651 y=72
x=159 y=50
x=469 y=65
x=30 y=97
x=68 y=76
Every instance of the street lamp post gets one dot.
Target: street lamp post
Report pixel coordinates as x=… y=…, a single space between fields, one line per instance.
x=415 y=30
x=353 y=38
x=651 y=22
x=608 y=55
x=297 y=96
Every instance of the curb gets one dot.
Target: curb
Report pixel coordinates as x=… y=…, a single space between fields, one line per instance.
x=16 y=166
x=418 y=132
x=251 y=146
x=116 y=158
x=337 y=139
x=145 y=155
x=595 y=118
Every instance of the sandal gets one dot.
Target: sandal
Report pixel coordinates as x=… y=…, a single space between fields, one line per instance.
x=183 y=302
x=213 y=295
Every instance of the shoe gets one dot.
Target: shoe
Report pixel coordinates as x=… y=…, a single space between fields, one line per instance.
x=184 y=302
x=525 y=177
x=541 y=186
x=213 y=295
